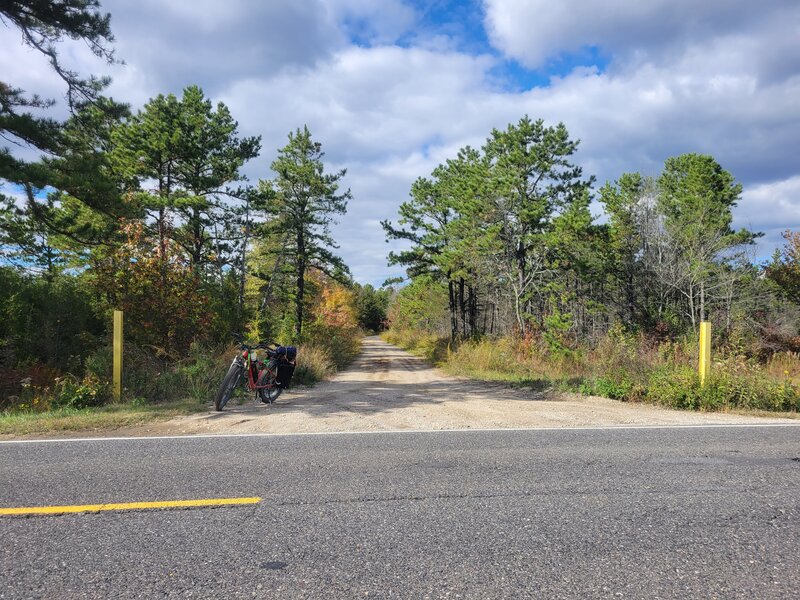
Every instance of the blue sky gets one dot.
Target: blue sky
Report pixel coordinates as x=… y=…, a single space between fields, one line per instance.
x=392 y=88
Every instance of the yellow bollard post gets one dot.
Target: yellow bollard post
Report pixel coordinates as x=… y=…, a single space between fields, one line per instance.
x=705 y=351
x=117 y=355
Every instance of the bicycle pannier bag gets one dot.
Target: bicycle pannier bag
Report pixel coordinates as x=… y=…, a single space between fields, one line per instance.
x=286 y=367
x=285 y=373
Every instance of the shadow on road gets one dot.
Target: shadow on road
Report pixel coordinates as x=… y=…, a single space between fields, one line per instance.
x=384 y=379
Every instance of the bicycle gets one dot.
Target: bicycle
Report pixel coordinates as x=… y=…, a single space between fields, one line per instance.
x=266 y=379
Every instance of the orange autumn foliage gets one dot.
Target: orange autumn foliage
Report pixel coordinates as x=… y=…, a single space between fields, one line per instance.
x=156 y=288
x=336 y=307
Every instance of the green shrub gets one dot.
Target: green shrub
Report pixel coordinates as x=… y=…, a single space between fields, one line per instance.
x=752 y=390
x=616 y=388
x=71 y=392
x=340 y=344
x=202 y=371
x=488 y=355
x=677 y=386
x=157 y=378
x=432 y=347
x=623 y=366
x=557 y=326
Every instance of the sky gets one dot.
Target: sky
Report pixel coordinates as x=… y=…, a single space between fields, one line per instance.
x=392 y=88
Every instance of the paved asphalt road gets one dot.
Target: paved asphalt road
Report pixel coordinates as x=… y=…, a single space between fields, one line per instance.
x=613 y=513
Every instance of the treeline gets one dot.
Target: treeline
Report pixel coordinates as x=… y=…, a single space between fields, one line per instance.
x=512 y=278
x=148 y=211
x=503 y=241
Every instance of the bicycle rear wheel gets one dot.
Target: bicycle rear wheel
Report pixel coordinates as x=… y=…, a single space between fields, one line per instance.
x=270 y=392
x=228 y=386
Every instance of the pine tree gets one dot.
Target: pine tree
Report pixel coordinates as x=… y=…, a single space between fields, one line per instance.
x=303 y=201
x=210 y=157
x=43 y=24
x=696 y=197
x=534 y=181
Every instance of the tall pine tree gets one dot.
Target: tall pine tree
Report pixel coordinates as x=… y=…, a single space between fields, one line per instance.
x=303 y=202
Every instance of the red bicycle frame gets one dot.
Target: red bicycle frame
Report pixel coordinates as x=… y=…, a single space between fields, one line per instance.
x=255 y=368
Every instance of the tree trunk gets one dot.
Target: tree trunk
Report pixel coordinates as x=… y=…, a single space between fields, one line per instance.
x=630 y=294
x=702 y=301
x=301 y=283
x=522 y=273
x=197 y=239
x=473 y=311
x=451 y=298
x=462 y=309
x=243 y=273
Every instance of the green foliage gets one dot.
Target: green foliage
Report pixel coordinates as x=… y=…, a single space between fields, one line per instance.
x=624 y=366
x=697 y=195
x=148 y=378
x=56 y=393
x=618 y=386
x=557 y=325
x=314 y=363
x=42 y=26
x=303 y=201
x=784 y=269
x=750 y=389
x=421 y=305
x=505 y=218
x=435 y=348
x=49 y=320
x=626 y=242
x=192 y=151
x=146 y=217
x=71 y=392
x=676 y=386
x=371 y=306
x=202 y=369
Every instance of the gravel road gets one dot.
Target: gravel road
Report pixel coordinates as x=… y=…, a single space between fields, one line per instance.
x=389 y=389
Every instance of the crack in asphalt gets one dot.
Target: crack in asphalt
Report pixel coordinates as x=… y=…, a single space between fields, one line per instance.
x=551 y=493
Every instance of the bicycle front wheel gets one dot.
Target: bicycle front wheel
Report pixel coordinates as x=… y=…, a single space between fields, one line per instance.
x=228 y=386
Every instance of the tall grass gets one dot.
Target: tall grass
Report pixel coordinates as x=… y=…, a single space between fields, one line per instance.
x=622 y=366
x=429 y=346
x=153 y=379
x=314 y=363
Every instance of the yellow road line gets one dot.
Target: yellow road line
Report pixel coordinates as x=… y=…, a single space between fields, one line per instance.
x=79 y=508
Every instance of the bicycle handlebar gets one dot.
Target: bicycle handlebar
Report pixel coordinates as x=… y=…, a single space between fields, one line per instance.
x=258 y=346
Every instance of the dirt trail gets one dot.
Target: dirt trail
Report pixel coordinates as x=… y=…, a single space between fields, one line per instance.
x=389 y=389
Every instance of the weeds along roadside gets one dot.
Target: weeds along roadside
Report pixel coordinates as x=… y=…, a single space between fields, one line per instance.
x=39 y=399
x=621 y=366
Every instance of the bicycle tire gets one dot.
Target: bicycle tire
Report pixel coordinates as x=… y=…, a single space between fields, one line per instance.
x=267 y=395
x=228 y=385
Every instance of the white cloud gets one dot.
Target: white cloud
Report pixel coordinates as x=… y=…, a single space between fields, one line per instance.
x=178 y=43
x=724 y=81
x=376 y=22
x=534 y=31
x=374 y=111
x=770 y=208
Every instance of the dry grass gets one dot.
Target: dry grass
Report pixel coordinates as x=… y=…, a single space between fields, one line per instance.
x=784 y=365
x=313 y=364
x=622 y=366
x=151 y=385
x=104 y=418
x=426 y=345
